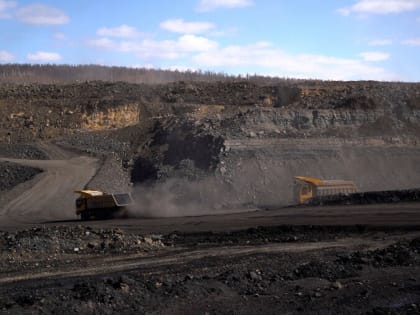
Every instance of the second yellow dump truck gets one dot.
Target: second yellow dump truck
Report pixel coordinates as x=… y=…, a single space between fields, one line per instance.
x=307 y=188
x=94 y=204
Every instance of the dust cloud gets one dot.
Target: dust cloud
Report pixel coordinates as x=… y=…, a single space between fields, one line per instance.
x=181 y=197
x=265 y=180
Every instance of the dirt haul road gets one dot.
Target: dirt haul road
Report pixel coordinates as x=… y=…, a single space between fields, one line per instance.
x=50 y=197
x=130 y=262
x=50 y=200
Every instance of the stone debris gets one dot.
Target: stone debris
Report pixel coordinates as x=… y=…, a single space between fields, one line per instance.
x=75 y=239
x=12 y=174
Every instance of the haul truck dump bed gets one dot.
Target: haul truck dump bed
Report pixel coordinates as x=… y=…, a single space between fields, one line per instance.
x=309 y=187
x=94 y=204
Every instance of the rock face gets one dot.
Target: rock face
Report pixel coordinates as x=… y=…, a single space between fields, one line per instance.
x=47 y=111
x=298 y=109
x=116 y=117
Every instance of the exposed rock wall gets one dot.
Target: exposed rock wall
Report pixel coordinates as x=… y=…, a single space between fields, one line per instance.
x=31 y=111
x=303 y=123
x=305 y=109
x=115 y=117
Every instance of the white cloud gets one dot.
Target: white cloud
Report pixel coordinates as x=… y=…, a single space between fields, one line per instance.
x=380 y=42
x=418 y=19
x=225 y=32
x=103 y=43
x=195 y=27
x=180 y=26
x=210 y=5
x=198 y=52
x=195 y=43
x=374 y=56
x=412 y=41
x=5 y=56
x=168 y=49
x=59 y=35
x=380 y=6
x=43 y=56
x=41 y=14
x=5 y=4
x=272 y=61
x=123 y=31
x=4 y=8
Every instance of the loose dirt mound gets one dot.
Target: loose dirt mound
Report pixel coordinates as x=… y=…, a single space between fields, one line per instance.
x=67 y=240
x=403 y=253
x=22 y=151
x=51 y=247
x=12 y=174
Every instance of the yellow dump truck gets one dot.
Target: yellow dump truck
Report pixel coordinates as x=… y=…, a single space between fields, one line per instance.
x=309 y=187
x=94 y=204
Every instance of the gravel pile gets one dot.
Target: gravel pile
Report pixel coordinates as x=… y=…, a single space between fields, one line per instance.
x=403 y=253
x=324 y=270
x=74 y=239
x=22 y=151
x=111 y=177
x=12 y=174
x=97 y=143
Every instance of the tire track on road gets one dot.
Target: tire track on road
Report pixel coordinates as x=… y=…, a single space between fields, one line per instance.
x=131 y=262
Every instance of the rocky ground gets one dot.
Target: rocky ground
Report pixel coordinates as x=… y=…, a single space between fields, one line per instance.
x=22 y=151
x=12 y=174
x=266 y=270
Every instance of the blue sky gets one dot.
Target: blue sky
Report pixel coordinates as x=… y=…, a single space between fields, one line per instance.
x=339 y=40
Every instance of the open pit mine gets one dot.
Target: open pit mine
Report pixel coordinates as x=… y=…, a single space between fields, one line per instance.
x=208 y=175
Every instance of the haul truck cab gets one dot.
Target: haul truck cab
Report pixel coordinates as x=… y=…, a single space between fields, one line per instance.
x=309 y=187
x=94 y=204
